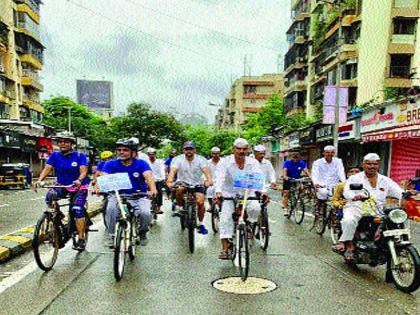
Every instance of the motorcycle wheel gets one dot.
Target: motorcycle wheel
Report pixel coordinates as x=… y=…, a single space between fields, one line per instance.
x=406 y=275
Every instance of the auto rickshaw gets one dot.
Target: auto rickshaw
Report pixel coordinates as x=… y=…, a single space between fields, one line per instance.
x=15 y=175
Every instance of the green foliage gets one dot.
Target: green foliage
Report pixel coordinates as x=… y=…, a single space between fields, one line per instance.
x=297 y=121
x=350 y=4
x=392 y=93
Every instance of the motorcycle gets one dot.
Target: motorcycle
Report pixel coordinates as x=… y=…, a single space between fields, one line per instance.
x=385 y=239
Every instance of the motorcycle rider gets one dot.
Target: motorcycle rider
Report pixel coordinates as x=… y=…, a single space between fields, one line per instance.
x=379 y=187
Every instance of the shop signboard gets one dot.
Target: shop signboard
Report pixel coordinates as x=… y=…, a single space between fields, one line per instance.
x=294 y=140
x=347 y=131
x=324 y=133
x=28 y=144
x=307 y=136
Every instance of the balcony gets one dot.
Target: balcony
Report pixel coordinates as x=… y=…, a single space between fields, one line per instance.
x=4 y=35
x=30 y=10
x=32 y=4
x=301 y=10
x=29 y=29
x=399 y=77
x=32 y=102
x=32 y=60
x=406 y=8
x=403 y=39
x=30 y=78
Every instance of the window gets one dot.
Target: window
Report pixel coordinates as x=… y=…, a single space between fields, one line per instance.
x=250 y=89
x=4 y=111
x=404 y=26
x=400 y=66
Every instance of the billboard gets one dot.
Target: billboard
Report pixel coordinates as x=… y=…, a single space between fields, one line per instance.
x=97 y=95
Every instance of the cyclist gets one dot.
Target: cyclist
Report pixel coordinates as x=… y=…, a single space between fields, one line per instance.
x=168 y=162
x=141 y=178
x=327 y=172
x=105 y=157
x=213 y=162
x=190 y=168
x=71 y=168
x=225 y=175
x=292 y=169
x=267 y=167
x=158 y=170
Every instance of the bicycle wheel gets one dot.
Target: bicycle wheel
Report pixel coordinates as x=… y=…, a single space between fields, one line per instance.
x=291 y=204
x=215 y=217
x=182 y=219
x=46 y=242
x=320 y=221
x=132 y=242
x=104 y=206
x=299 y=211
x=191 y=227
x=243 y=252
x=335 y=230
x=119 y=252
x=263 y=229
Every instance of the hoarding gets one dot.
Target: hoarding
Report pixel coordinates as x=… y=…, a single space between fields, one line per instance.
x=94 y=94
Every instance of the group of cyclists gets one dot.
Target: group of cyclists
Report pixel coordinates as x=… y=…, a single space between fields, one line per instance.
x=213 y=180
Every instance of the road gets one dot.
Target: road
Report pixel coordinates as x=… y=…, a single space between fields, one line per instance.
x=166 y=279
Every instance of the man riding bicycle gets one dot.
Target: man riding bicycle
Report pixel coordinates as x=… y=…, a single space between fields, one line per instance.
x=213 y=162
x=158 y=170
x=71 y=168
x=266 y=166
x=224 y=187
x=190 y=168
x=292 y=169
x=141 y=178
x=327 y=172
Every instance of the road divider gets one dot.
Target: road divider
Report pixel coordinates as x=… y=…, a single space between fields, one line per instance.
x=20 y=241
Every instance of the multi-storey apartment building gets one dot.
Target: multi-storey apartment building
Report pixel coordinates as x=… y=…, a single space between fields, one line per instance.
x=21 y=57
x=247 y=95
x=378 y=53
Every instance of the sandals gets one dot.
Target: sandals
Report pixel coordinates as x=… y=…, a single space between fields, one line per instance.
x=224 y=255
x=339 y=248
x=348 y=256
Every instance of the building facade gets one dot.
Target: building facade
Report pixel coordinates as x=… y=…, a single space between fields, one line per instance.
x=377 y=55
x=247 y=95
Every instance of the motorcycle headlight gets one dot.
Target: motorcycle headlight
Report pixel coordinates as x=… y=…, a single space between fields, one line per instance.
x=398 y=216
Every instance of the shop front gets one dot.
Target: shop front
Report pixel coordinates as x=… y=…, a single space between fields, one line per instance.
x=309 y=148
x=349 y=148
x=395 y=127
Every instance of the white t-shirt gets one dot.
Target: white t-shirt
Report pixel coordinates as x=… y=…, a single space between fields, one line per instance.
x=158 y=169
x=189 y=172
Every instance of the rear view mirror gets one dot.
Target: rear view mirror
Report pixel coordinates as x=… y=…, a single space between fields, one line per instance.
x=356 y=186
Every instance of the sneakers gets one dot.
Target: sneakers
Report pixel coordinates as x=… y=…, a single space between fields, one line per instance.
x=202 y=229
x=80 y=245
x=285 y=212
x=143 y=240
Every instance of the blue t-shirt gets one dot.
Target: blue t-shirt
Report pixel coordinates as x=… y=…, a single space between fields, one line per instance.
x=100 y=166
x=67 y=167
x=294 y=170
x=135 y=171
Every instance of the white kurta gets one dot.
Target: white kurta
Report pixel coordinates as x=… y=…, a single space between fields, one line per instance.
x=212 y=166
x=268 y=170
x=385 y=187
x=225 y=173
x=327 y=175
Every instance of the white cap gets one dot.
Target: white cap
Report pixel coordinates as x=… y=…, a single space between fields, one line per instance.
x=371 y=157
x=259 y=148
x=329 y=148
x=240 y=143
x=215 y=149
x=151 y=150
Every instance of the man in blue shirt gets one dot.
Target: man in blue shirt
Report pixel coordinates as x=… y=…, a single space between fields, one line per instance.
x=141 y=178
x=71 y=168
x=292 y=169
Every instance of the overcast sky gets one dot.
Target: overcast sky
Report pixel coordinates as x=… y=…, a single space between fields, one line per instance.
x=170 y=53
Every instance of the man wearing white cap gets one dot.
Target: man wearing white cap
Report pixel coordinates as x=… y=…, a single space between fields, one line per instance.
x=158 y=170
x=379 y=186
x=327 y=172
x=226 y=172
x=212 y=163
x=267 y=167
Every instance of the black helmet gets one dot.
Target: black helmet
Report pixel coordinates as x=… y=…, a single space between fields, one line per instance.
x=131 y=143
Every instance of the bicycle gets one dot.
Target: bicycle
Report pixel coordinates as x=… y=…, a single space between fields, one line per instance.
x=238 y=246
x=153 y=211
x=296 y=204
x=51 y=233
x=188 y=215
x=215 y=216
x=323 y=214
x=126 y=233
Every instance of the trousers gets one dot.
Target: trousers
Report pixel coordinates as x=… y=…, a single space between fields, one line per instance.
x=141 y=208
x=349 y=222
x=253 y=209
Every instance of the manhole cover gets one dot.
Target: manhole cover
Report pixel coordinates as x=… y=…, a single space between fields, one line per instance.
x=252 y=285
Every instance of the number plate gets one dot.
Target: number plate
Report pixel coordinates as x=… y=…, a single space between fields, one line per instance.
x=397 y=232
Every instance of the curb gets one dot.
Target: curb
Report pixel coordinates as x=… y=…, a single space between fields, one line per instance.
x=20 y=241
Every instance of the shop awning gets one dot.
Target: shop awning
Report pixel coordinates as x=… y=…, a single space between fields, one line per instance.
x=392 y=134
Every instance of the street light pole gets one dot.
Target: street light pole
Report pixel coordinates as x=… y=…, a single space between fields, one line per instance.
x=338 y=78
x=69 y=118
